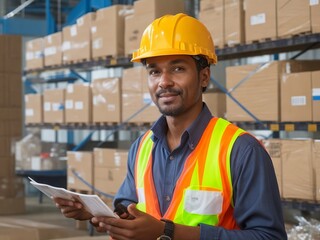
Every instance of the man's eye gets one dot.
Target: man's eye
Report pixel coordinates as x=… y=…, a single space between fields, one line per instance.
x=178 y=69
x=153 y=72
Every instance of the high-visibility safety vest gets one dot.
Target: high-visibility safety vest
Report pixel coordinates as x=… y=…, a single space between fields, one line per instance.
x=203 y=192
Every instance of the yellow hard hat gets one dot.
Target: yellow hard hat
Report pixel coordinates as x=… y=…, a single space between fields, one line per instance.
x=176 y=35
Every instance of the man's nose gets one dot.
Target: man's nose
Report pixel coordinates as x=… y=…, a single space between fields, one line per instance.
x=165 y=80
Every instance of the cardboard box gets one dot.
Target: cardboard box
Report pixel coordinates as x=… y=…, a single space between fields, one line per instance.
x=110 y=158
x=78 y=105
x=107 y=31
x=133 y=78
x=206 y=4
x=82 y=164
x=52 y=49
x=34 y=54
x=234 y=31
x=53 y=105
x=216 y=102
x=261 y=20
x=106 y=98
x=77 y=40
x=297 y=169
x=315 y=76
x=315 y=16
x=10 y=54
x=262 y=81
x=288 y=23
x=316 y=165
x=10 y=89
x=273 y=147
x=296 y=103
x=33 y=108
x=214 y=15
x=109 y=180
x=145 y=11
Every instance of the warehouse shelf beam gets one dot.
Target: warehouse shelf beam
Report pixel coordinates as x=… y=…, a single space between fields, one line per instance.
x=296 y=43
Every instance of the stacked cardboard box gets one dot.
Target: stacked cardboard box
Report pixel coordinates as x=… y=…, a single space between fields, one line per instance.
x=297 y=167
x=80 y=168
x=110 y=169
x=78 y=104
x=216 y=102
x=315 y=16
x=106 y=98
x=53 y=105
x=11 y=188
x=33 y=108
x=76 y=45
x=288 y=24
x=52 y=49
x=34 y=54
x=107 y=31
x=145 y=11
x=136 y=97
x=262 y=81
x=212 y=16
x=261 y=20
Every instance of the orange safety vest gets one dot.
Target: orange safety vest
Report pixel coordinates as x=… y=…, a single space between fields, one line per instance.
x=203 y=192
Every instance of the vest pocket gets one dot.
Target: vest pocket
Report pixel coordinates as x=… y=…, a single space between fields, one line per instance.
x=203 y=202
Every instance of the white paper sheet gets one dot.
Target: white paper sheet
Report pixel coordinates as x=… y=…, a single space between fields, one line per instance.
x=92 y=203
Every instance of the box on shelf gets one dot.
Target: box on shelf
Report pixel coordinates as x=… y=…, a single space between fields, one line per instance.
x=296 y=105
x=81 y=163
x=214 y=15
x=288 y=24
x=297 y=169
x=109 y=180
x=34 y=54
x=110 y=158
x=315 y=16
x=10 y=54
x=107 y=31
x=33 y=108
x=315 y=76
x=234 y=31
x=78 y=104
x=106 y=98
x=137 y=105
x=262 y=81
x=273 y=147
x=261 y=20
x=53 y=105
x=145 y=11
x=52 y=49
x=216 y=102
x=76 y=45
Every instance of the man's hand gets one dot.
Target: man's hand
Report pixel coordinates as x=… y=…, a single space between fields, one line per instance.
x=72 y=209
x=142 y=226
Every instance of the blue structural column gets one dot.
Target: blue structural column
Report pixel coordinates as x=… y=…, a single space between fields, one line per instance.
x=50 y=23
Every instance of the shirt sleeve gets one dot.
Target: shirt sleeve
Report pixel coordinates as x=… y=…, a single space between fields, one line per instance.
x=257 y=203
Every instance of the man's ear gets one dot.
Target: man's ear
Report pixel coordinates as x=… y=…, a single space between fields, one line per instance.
x=205 y=77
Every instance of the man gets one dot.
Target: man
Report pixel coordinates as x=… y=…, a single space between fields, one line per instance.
x=191 y=176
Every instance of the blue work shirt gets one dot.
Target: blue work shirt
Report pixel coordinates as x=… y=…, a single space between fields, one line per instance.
x=257 y=204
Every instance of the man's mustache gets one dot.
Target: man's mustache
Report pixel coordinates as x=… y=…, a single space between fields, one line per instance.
x=166 y=91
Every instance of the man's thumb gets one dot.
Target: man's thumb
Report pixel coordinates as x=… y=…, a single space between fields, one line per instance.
x=133 y=211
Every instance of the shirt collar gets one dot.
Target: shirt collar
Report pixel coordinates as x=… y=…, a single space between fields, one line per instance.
x=194 y=131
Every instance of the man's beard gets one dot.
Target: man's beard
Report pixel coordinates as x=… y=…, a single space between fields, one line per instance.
x=169 y=111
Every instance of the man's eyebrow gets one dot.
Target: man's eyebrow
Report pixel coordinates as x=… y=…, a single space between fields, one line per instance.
x=175 y=61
